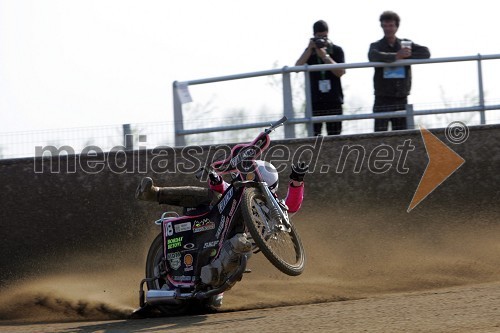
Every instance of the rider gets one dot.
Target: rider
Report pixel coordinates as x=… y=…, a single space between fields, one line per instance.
x=199 y=197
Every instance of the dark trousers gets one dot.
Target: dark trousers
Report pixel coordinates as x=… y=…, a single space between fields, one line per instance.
x=187 y=196
x=195 y=200
x=332 y=127
x=387 y=104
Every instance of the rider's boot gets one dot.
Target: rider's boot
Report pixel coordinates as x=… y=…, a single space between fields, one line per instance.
x=146 y=190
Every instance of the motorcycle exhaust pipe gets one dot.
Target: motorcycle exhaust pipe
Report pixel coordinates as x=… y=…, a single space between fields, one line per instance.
x=158 y=297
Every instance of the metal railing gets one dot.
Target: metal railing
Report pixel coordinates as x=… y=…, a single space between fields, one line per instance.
x=409 y=113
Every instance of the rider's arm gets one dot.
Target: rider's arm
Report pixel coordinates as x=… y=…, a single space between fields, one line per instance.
x=295 y=196
x=295 y=193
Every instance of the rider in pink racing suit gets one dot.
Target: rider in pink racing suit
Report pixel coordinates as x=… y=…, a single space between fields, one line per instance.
x=198 y=198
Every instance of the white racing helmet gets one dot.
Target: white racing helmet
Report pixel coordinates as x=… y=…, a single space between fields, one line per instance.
x=268 y=173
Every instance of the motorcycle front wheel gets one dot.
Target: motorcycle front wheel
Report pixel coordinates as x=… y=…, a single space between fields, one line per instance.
x=283 y=248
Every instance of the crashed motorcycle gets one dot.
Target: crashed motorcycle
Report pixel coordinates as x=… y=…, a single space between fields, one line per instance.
x=197 y=257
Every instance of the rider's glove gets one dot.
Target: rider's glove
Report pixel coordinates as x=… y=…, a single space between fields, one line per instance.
x=298 y=171
x=215 y=179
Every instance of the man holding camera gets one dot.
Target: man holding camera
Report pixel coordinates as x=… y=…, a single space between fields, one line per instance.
x=326 y=89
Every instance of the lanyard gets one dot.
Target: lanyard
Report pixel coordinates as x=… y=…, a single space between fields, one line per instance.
x=320 y=62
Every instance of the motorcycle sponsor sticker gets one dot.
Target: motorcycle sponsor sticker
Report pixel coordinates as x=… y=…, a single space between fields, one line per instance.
x=175 y=242
x=181 y=227
x=173 y=255
x=203 y=225
x=245 y=154
x=188 y=262
x=228 y=195
x=233 y=207
x=221 y=226
x=175 y=263
x=182 y=278
x=174 y=260
x=189 y=246
x=210 y=244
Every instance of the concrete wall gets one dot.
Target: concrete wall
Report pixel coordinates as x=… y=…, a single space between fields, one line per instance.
x=48 y=217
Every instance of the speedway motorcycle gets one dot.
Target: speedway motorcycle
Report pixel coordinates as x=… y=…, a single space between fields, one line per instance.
x=196 y=258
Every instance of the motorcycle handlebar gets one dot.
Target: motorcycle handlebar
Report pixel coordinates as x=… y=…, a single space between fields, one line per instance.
x=276 y=125
x=206 y=170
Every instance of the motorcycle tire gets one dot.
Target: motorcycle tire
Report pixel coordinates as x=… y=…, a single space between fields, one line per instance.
x=154 y=258
x=291 y=261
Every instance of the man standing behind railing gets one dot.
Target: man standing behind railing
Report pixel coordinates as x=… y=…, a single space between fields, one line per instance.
x=326 y=89
x=393 y=84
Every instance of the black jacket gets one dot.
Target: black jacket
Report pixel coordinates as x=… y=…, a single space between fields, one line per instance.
x=381 y=51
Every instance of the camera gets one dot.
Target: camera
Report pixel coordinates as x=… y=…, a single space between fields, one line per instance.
x=320 y=41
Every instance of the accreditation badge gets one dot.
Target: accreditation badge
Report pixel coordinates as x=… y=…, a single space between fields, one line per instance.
x=325 y=86
x=396 y=72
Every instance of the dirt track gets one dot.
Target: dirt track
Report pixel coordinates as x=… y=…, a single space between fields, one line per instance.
x=458 y=309
x=372 y=280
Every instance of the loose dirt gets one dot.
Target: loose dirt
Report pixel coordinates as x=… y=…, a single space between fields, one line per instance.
x=361 y=275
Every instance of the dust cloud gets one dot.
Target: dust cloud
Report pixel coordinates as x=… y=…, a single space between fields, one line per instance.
x=348 y=258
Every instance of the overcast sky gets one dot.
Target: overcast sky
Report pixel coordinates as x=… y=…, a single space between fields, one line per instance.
x=72 y=63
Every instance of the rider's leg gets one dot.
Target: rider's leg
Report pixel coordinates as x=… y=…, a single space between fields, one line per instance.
x=183 y=196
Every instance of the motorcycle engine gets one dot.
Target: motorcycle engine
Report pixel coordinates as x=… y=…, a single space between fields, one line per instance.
x=227 y=262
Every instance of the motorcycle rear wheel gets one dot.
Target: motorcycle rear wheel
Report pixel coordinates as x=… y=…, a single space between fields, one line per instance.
x=283 y=249
x=153 y=263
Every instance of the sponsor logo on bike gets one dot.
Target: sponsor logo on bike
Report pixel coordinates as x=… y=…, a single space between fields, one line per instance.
x=174 y=259
x=181 y=227
x=183 y=278
x=175 y=242
x=203 y=225
x=188 y=262
x=233 y=207
x=244 y=155
x=173 y=255
x=174 y=263
x=189 y=246
x=210 y=244
x=225 y=200
x=221 y=226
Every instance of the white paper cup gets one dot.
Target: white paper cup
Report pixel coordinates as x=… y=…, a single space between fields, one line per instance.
x=406 y=44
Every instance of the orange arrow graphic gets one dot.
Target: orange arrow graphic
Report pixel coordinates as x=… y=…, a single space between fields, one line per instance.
x=443 y=162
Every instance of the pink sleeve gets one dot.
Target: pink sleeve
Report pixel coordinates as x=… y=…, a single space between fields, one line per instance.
x=219 y=187
x=294 y=197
